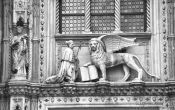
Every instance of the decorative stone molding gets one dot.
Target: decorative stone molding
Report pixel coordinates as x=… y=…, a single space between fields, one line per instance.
x=164 y=41
x=42 y=39
x=159 y=102
x=137 y=94
x=88 y=89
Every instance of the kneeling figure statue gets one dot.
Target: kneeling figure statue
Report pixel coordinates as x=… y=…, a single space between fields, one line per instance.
x=69 y=66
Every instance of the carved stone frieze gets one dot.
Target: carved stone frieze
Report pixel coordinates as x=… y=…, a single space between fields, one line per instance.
x=88 y=89
x=164 y=41
x=42 y=39
x=95 y=101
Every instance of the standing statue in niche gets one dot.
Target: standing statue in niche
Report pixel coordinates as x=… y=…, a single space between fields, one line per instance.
x=105 y=52
x=69 y=66
x=19 y=50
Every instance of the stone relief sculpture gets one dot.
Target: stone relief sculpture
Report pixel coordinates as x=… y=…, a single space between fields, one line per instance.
x=69 y=66
x=19 y=48
x=105 y=53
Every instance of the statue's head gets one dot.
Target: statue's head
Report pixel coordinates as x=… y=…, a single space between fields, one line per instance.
x=70 y=44
x=96 y=45
x=20 y=25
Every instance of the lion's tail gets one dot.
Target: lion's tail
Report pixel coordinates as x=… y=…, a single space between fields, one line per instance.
x=153 y=76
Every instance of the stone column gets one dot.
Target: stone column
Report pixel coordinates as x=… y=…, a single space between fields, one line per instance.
x=1 y=6
x=171 y=38
x=35 y=41
x=87 y=17
x=49 y=39
x=148 y=16
x=159 y=43
x=155 y=38
x=117 y=17
x=7 y=22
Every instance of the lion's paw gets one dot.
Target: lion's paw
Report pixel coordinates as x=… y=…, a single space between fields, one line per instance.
x=102 y=80
x=137 y=80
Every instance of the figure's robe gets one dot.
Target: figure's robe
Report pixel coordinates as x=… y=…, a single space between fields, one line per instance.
x=67 y=69
x=19 y=55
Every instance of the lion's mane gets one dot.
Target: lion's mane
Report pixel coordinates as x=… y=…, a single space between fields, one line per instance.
x=99 y=56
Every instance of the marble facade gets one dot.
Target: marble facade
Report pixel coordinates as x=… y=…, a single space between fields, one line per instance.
x=156 y=52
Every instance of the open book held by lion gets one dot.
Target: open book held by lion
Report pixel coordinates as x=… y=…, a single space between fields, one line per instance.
x=105 y=53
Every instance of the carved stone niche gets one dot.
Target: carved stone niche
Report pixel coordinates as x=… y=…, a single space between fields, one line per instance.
x=116 y=73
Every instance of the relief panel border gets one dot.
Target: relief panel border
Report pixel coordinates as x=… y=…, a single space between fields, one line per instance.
x=161 y=102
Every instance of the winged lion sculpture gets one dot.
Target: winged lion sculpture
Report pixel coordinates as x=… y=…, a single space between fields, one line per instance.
x=104 y=53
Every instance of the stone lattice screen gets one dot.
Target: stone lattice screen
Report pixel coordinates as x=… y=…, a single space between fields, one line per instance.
x=102 y=16
x=133 y=15
x=70 y=16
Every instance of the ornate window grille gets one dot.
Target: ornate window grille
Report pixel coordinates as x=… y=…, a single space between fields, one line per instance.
x=70 y=16
x=133 y=15
x=102 y=16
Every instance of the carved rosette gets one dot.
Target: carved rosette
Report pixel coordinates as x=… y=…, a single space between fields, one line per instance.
x=119 y=101
x=42 y=34
x=164 y=41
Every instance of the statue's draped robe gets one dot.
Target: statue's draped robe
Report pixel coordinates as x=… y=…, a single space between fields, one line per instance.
x=19 y=55
x=67 y=69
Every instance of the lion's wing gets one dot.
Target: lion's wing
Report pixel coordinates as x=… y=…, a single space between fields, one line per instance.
x=115 y=42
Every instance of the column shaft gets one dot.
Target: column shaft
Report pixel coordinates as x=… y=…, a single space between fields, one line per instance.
x=117 y=16
x=148 y=16
x=1 y=6
x=171 y=39
x=7 y=22
x=35 y=41
x=87 y=16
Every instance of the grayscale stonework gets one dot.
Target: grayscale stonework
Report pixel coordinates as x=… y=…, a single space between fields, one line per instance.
x=49 y=23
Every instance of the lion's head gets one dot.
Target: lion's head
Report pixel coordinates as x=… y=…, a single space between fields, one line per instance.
x=96 y=45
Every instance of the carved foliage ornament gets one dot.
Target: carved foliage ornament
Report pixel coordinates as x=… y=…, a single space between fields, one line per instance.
x=89 y=89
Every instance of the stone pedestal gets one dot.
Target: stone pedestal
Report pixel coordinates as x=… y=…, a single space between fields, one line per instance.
x=19 y=101
x=172 y=103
